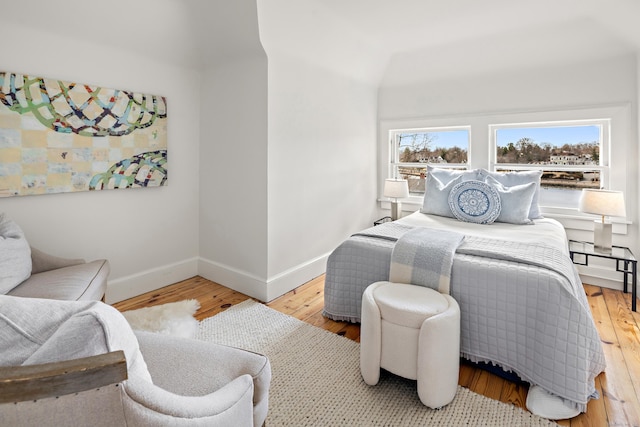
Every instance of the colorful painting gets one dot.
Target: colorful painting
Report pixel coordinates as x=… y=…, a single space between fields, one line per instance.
x=58 y=136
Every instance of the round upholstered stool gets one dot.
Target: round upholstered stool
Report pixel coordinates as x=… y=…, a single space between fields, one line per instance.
x=413 y=332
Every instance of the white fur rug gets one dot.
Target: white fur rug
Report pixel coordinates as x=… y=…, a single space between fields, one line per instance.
x=174 y=318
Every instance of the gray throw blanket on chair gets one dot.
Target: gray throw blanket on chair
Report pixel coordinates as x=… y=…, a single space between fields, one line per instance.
x=424 y=257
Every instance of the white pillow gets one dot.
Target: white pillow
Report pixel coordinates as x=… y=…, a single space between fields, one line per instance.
x=516 y=201
x=15 y=255
x=509 y=179
x=475 y=201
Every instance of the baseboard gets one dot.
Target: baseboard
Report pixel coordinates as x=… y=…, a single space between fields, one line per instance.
x=294 y=277
x=238 y=280
x=233 y=278
x=149 y=280
x=603 y=277
x=261 y=289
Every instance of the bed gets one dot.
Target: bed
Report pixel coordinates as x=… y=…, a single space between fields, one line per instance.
x=526 y=313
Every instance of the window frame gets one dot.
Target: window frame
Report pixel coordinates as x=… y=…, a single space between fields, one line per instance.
x=394 y=152
x=621 y=156
x=603 y=165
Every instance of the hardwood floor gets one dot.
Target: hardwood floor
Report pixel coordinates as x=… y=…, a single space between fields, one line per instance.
x=619 y=329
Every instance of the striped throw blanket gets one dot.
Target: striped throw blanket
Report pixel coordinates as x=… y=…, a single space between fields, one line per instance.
x=424 y=257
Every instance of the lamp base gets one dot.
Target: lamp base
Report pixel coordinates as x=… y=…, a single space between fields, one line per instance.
x=396 y=210
x=602 y=236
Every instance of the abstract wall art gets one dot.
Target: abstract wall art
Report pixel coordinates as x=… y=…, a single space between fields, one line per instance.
x=58 y=136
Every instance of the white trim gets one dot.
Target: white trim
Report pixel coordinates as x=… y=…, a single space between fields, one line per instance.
x=238 y=280
x=603 y=277
x=585 y=223
x=294 y=277
x=150 y=280
x=233 y=278
x=259 y=288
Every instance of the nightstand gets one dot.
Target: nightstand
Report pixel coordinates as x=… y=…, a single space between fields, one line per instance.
x=626 y=263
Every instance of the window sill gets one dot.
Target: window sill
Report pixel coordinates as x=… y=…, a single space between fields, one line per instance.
x=571 y=219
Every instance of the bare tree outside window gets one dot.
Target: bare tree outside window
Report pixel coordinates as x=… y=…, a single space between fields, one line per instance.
x=417 y=148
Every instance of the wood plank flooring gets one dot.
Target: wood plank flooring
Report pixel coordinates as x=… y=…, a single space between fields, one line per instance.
x=618 y=326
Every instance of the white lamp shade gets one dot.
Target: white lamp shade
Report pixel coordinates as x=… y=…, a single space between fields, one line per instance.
x=602 y=202
x=396 y=188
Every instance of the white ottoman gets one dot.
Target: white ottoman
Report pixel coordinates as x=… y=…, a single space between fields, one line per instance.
x=413 y=332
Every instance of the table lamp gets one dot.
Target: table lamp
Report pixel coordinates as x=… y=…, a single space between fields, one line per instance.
x=603 y=203
x=396 y=189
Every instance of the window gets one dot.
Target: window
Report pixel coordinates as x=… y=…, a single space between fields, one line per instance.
x=581 y=141
x=572 y=156
x=413 y=149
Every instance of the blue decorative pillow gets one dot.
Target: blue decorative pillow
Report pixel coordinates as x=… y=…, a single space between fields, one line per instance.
x=475 y=201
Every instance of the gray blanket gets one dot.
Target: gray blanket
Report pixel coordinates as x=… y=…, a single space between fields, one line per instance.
x=522 y=306
x=536 y=254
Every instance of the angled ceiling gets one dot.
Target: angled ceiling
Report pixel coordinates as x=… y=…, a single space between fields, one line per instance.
x=434 y=39
x=397 y=41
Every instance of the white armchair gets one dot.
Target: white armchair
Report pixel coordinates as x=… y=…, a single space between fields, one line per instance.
x=79 y=363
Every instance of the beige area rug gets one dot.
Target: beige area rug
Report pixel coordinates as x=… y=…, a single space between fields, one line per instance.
x=317 y=382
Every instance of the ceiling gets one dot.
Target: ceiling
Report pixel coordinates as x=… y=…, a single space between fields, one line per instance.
x=417 y=24
x=442 y=38
x=399 y=38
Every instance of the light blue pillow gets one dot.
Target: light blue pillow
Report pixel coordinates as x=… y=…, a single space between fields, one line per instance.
x=509 y=179
x=475 y=201
x=516 y=201
x=436 y=196
x=447 y=175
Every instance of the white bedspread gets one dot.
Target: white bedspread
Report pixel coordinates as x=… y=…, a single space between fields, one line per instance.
x=546 y=229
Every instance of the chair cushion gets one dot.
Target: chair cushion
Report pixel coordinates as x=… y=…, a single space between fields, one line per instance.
x=408 y=305
x=35 y=331
x=77 y=282
x=15 y=255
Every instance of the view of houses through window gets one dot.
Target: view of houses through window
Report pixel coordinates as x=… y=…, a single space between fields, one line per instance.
x=569 y=154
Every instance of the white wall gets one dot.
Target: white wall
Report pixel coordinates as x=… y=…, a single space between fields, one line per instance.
x=606 y=81
x=287 y=172
x=233 y=164
x=603 y=83
x=288 y=154
x=149 y=235
x=322 y=157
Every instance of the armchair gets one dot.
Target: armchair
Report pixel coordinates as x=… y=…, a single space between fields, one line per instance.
x=63 y=278
x=79 y=363
x=29 y=272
